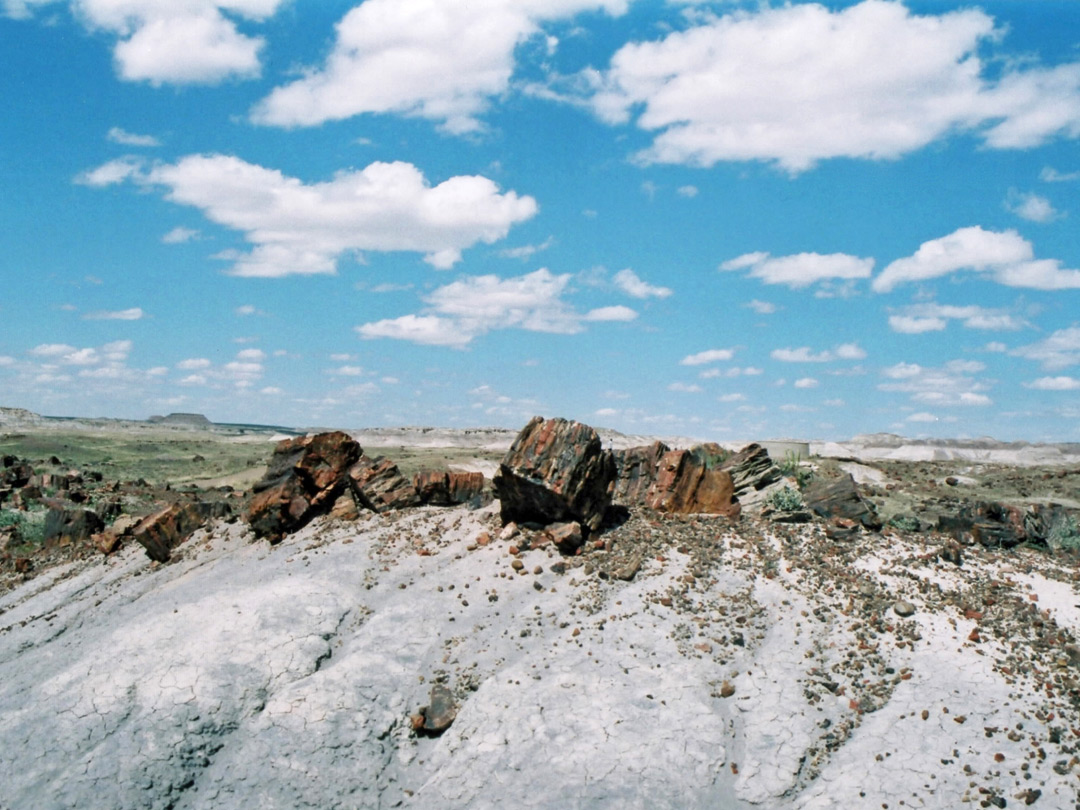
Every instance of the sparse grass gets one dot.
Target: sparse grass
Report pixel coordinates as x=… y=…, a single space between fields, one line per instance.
x=785 y=499
x=791 y=466
x=29 y=526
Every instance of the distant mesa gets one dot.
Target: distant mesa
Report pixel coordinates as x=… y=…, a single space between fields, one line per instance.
x=184 y=419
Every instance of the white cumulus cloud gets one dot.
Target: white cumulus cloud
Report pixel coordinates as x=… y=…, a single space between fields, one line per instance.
x=801 y=83
x=436 y=59
x=802 y=269
x=1031 y=206
x=473 y=306
x=707 y=356
x=299 y=228
x=629 y=282
x=1004 y=256
x=172 y=41
x=1054 y=384
x=1059 y=350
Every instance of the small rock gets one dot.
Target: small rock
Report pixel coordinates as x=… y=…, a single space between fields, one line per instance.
x=440 y=712
x=726 y=689
x=904 y=608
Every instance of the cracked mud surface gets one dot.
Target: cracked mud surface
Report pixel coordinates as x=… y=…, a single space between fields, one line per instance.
x=743 y=665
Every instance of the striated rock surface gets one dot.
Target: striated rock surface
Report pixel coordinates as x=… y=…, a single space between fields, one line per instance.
x=303 y=479
x=377 y=484
x=556 y=470
x=685 y=484
x=754 y=475
x=636 y=469
x=446 y=488
x=66 y=526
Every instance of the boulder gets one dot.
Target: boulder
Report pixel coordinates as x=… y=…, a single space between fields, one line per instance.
x=443 y=488
x=378 y=484
x=65 y=527
x=636 y=469
x=164 y=530
x=685 y=484
x=567 y=537
x=841 y=499
x=303 y=479
x=556 y=470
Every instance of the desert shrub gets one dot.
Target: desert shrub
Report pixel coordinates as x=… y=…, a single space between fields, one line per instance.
x=905 y=523
x=791 y=467
x=1064 y=535
x=785 y=499
x=29 y=526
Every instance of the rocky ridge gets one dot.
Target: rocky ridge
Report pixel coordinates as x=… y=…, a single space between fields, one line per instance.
x=428 y=655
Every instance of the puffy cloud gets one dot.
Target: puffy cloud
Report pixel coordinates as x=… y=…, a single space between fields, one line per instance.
x=179 y=235
x=133 y=314
x=807 y=382
x=299 y=228
x=948 y=386
x=170 y=42
x=194 y=364
x=850 y=351
x=687 y=191
x=615 y=313
x=120 y=136
x=761 y=307
x=802 y=269
x=1005 y=256
x=800 y=83
x=1059 y=350
x=1054 y=384
x=627 y=281
x=803 y=354
x=1052 y=175
x=473 y=306
x=111 y=173
x=684 y=388
x=1031 y=206
x=527 y=251
x=921 y=416
x=707 y=356
x=930 y=317
x=435 y=59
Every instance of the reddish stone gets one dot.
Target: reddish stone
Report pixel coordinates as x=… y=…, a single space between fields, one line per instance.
x=556 y=470
x=167 y=528
x=378 y=485
x=686 y=485
x=636 y=469
x=567 y=537
x=303 y=480
x=443 y=488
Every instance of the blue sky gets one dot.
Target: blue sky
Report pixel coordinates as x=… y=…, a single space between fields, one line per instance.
x=716 y=219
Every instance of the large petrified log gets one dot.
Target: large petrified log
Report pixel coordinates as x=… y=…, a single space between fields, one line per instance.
x=445 y=488
x=636 y=469
x=686 y=484
x=304 y=478
x=556 y=470
x=377 y=484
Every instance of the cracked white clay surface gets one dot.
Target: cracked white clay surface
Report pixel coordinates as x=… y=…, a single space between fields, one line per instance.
x=759 y=668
